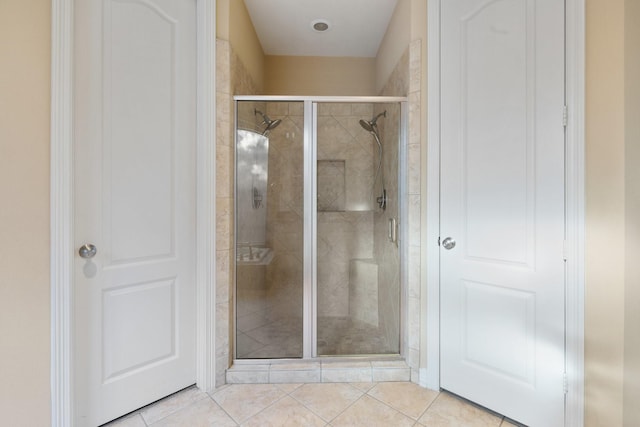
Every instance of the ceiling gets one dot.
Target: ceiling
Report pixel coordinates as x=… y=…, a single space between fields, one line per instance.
x=284 y=27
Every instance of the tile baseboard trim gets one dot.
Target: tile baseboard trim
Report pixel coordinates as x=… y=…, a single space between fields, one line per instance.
x=334 y=371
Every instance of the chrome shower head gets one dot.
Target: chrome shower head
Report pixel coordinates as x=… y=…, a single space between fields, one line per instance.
x=370 y=126
x=271 y=124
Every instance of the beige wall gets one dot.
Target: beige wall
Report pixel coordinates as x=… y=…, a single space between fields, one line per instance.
x=234 y=24
x=319 y=76
x=394 y=43
x=24 y=212
x=222 y=19
x=612 y=324
x=604 y=317
x=408 y=23
x=632 y=223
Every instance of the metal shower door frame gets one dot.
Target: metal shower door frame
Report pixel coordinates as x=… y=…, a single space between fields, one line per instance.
x=310 y=216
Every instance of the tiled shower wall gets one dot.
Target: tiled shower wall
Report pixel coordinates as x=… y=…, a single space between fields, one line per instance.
x=231 y=79
x=345 y=233
x=405 y=81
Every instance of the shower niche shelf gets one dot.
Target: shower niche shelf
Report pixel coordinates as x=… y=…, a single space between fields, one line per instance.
x=331 y=185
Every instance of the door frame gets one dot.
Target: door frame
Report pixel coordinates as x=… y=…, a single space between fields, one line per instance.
x=574 y=208
x=62 y=198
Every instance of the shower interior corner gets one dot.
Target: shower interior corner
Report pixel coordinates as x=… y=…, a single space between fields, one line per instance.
x=357 y=292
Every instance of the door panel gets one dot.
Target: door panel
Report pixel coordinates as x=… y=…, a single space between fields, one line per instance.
x=140 y=117
x=498 y=329
x=151 y=308
x=135 y=132
x=502 y=189
x=496 y=62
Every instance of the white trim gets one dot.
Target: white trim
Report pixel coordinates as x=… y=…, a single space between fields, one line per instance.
x=575 y=200
x=320 y=99
x=423 y=379
x=206 y=201
x=575 y=211
x=62 y=250
x=403 y=227
x=431 y=254
x=61 y=197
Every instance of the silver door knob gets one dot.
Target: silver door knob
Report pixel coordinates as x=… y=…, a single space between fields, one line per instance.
x=449 y=243
x=87 y=251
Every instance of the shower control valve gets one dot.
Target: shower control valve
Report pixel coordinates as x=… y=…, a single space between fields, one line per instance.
x=382 y=200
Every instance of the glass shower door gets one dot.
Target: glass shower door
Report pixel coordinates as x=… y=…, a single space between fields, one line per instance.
x=358 y=259
x=269 y=229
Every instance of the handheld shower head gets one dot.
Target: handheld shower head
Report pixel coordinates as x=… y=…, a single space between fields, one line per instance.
x=271 y=124
x=366 y=125
x=371 y=126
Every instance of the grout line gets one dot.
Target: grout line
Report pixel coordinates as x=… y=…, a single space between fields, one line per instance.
x=321 y=417
x=173 y=412
x=225 y=411
x=289 y=393
x=348 y=406
x=391 y=407
x=309 y=409
x=429 y=406
x=263 y=409
x=158 y=402
x=433 y=402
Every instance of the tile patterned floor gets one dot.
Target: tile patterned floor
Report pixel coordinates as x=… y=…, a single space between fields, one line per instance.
x=389 y=404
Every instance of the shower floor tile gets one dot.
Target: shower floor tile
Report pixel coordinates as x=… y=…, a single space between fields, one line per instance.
x=344 y=336
x=282 y=338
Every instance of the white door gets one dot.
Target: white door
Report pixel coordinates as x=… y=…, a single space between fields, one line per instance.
x=135 y=134
x=502 y=201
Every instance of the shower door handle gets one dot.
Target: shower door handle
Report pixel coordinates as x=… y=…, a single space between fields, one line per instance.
x=393 y=230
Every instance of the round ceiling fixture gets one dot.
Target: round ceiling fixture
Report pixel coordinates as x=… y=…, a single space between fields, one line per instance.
x=320 y=25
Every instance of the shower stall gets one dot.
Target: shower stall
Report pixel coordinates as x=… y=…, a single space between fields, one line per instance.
x=320 y=242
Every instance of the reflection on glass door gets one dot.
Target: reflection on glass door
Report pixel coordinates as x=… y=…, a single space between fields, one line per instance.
x=269 y=229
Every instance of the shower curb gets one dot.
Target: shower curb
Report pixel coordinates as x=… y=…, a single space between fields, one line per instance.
x=277 y=372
